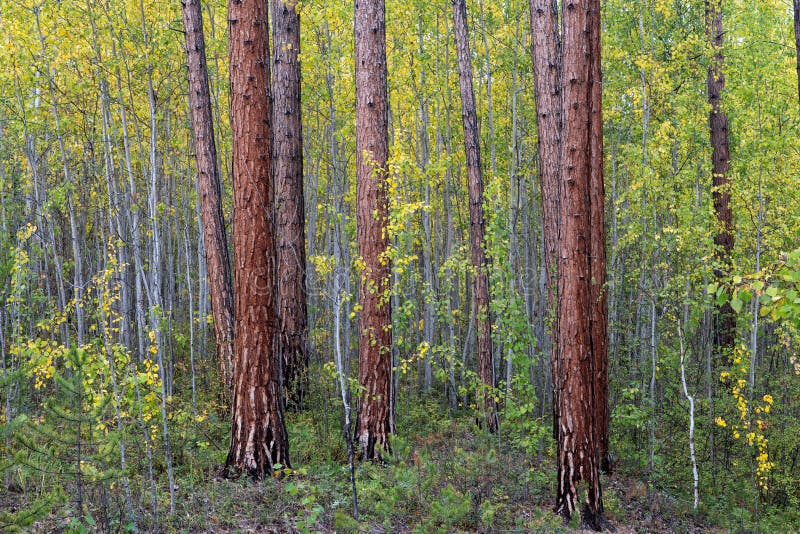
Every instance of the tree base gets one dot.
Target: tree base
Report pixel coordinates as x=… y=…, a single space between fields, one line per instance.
x=595 y=521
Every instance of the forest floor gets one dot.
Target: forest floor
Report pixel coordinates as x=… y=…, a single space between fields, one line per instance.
x=443 y=475
x=488 y=502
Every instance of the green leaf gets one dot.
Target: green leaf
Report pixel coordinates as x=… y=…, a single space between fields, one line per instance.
x=771 y=291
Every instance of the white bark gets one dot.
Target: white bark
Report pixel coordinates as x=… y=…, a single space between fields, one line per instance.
x=690 y=398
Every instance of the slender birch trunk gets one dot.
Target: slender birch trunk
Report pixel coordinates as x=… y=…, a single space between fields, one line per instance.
x=690 y=398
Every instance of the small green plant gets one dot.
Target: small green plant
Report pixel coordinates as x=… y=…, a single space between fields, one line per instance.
x=307 y=518
x=342 y=522
x=488 y=511
x=450 y=509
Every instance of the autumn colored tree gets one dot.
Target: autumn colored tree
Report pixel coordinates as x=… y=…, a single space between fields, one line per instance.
x=373 y=425
x=290 y=205
x=208 y=185
x=258 y=434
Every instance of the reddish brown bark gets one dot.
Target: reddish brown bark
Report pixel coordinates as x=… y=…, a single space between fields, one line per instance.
x=577 y=454
x=720 y=158
x=480 y=292
x=568 y=91
x=208 y=185
x=599 y=312
x=288 y=169
x=372 y=150
x=258 y=435
x=546 y=53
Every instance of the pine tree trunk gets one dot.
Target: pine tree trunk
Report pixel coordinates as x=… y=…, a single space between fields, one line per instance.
x=577 y=450
x=290 y=208
x=258 y=434
x=208 y=182
x=546 y=52
x=480 y=292
x=599 y=301
x=720 y=156
x=374 y=323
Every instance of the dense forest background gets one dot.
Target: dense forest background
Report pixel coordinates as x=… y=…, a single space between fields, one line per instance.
x=115 y=416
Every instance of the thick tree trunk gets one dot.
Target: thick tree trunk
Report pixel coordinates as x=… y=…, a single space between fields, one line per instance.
x=208 y=185
x=480 y=292
x=546 y=52
x=577 y=451
x=599 y=301
x=571 y=155
x=258 y=435
x=718 y=122
x=372 y=141
x=288 y=173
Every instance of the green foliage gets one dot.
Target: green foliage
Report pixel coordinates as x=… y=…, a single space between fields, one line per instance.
x=629 y=417
x=33 y=511
x=65 y=442
x=307 y=496
x=344 y=523
x=526 y=427
x=449 y=510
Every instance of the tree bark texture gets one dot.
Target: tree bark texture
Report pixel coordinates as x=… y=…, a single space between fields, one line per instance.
x=373 y=425
x=720 y=161
x=599 y=302
x=288 y=173
x=208 y=185
x=480 y=293
x=577 y=452
x=548 y=59
x=258 y=434
x=546 y=52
